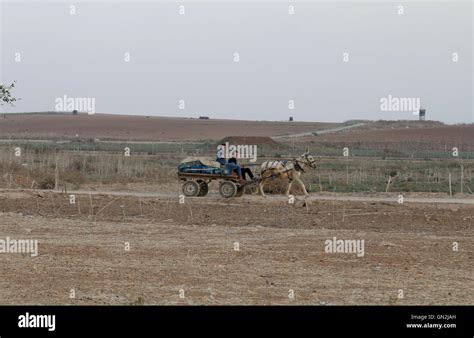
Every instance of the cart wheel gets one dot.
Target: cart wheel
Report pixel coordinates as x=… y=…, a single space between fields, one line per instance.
x=191 y=188
x=240 y=192
x=228 y=189
x=204 y=188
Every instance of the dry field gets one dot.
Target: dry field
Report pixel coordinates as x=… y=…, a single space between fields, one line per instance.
x=419 y=136
x=125 y=127
x=191 y=247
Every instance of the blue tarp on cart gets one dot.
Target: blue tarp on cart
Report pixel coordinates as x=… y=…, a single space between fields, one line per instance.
x=200 y=165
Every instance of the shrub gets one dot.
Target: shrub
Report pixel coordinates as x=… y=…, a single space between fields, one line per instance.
x=46 y=183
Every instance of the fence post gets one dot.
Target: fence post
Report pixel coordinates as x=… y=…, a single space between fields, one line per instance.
x=450 y=190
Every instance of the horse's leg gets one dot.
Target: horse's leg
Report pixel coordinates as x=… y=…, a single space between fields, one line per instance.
x=289 y=187
x=260 y=186
x=300 y=182
x=289 y=176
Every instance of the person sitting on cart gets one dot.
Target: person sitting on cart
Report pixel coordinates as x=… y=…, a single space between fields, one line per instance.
x=229 y=166
x=245 y=171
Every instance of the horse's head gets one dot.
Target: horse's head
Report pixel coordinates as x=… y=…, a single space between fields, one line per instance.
x=308 y=159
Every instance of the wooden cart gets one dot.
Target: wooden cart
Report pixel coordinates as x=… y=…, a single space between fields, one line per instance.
x=195 y=184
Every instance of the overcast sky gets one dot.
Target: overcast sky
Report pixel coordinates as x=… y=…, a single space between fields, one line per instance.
x=282 y=57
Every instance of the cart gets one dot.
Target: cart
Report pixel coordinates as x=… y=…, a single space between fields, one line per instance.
x=197 y=184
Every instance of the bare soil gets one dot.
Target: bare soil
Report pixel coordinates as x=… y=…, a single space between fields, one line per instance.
x=125 y=127
x=191 y=247
x=403 y=137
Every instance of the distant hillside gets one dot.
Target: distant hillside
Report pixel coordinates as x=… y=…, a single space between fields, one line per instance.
x=141 y=128
x=395 y=135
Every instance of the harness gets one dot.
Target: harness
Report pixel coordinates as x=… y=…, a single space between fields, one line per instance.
x=285 y=163
x=297 y=166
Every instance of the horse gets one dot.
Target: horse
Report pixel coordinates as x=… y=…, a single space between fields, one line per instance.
x=287 y=169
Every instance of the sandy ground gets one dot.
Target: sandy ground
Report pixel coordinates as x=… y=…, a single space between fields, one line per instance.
x=191 y=247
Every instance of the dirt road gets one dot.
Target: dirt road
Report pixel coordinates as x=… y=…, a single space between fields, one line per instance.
x=320 y=132
x=312 y=197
